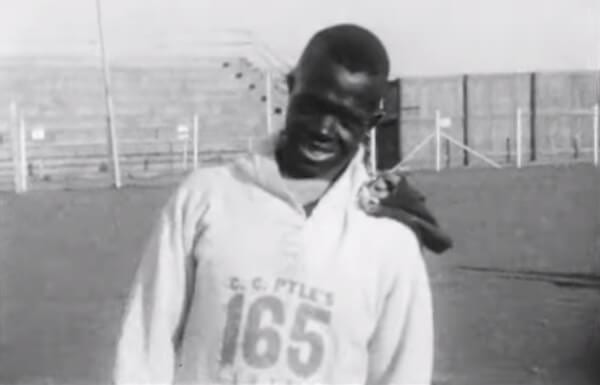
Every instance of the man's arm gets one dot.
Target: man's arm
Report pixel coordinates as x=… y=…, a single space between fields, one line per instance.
x=158 y=299
x=401 y=349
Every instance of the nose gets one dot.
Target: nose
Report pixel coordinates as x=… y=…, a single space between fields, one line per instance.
x=328 y=125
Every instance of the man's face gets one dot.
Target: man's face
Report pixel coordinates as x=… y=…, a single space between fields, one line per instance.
x=330 y=111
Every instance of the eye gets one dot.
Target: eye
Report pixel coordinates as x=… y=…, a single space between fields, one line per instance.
x=351 y=122
x=350 y=118
x=306 y=106
x=311 y=105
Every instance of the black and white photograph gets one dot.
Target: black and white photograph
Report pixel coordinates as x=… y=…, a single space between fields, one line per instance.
x=333 y=192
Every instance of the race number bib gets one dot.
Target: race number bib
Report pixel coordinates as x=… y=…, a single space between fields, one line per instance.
x=275 y=332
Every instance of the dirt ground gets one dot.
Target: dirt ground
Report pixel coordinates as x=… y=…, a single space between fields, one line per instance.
x=516 y=302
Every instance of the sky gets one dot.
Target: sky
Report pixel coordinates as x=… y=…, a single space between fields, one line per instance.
x=424 y=37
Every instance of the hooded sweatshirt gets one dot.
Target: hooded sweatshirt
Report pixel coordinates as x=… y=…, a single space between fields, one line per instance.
x=237 y=285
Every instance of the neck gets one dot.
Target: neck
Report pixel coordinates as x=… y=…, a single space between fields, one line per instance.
x=307 y=190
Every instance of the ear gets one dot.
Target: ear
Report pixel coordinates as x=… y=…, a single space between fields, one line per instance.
x=290 y=79
x=376 y=118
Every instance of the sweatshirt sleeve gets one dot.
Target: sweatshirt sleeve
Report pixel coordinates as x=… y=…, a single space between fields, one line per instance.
x=159 y=295
x=401 y=349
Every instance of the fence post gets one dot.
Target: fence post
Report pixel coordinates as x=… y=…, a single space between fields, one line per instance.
x=518 y=137
x=373 y=151
x=268 y=102
x=575 y=141
x=533 y=116
x=184 y=161
x=195 y=141
x=465 y=112
x=596 y=113
x=399 y=121
x=183 y=137
x=448 y=153
x=23 y=147
x=14 y=146
x=19 y=140
x=438 y=142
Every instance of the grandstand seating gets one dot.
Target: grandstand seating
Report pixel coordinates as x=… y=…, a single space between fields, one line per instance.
x=65 y=98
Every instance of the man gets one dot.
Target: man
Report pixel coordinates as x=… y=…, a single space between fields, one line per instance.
x=268 y=270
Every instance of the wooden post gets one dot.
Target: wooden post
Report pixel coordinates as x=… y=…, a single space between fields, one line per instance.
x=595 y=128
x=447 y=153
x=14 y=135
x=532 y=116
x=399 y=121
x=19 y=149
x=23 y=153
x=575 y=144
x=184 y=161
x=195 y=142
x=519 y=137
x=438 y=141
x=465 y=93
x=183 y=137
x=22 y=172
x=373 y=145
x=373 y=151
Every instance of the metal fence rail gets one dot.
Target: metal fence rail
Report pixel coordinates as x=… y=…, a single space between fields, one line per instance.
x=516 y=147
x=32 y=156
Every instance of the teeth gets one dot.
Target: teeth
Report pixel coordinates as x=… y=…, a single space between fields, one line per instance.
x=315 y=154
x=320 y=145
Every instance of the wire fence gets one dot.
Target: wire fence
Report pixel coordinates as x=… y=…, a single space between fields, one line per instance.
x=172 y=115
x=77 y=121
x=558 y=136
x=34 y=155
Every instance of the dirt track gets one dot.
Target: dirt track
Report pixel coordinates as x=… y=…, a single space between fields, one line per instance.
x=516 y=302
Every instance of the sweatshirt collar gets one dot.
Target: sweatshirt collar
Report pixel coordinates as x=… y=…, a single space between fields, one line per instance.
x=262 y=167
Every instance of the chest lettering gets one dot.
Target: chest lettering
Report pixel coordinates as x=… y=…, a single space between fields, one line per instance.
x=276 y=324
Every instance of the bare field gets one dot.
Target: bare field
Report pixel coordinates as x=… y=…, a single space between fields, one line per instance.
x=516 y=302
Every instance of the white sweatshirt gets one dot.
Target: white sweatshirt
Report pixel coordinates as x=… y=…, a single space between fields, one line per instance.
x=238 y=286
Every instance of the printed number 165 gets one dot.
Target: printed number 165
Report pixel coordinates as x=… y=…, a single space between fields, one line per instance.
x=261 y=344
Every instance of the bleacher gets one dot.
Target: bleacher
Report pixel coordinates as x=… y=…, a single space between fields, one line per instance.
x=63 y=108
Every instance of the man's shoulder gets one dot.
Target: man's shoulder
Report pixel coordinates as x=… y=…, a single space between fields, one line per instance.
x=207 y=174
x=394 y=240
x=217 y=179
x=203 y=177
x=203 y=182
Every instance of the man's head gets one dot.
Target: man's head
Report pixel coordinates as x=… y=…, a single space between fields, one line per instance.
x=334 y=96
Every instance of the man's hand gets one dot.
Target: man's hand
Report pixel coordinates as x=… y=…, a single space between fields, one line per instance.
x=391 y=196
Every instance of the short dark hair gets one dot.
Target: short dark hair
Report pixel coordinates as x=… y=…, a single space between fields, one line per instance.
x=350 y=46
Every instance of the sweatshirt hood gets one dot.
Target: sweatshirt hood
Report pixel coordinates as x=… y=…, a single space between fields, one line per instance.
x=260 y=168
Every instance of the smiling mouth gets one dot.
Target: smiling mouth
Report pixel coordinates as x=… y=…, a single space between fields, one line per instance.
x=321 y=142
x=321 y=146
x=317 y=149
x=316 y=155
